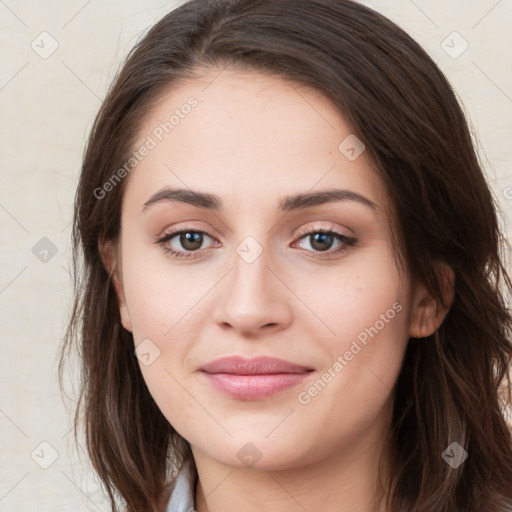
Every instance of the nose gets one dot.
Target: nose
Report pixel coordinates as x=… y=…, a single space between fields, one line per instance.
x=252 y=299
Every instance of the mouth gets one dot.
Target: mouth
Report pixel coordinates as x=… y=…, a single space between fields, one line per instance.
x=253 y=379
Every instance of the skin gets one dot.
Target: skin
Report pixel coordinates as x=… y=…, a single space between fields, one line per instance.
x=253 y=139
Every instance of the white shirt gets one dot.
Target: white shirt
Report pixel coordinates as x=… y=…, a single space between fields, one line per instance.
x=183 y=493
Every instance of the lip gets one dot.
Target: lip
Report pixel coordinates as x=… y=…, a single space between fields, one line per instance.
x=253 y=379
x=262 y=365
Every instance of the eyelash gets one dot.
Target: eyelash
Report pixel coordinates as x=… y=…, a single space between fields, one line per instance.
x=169 y=235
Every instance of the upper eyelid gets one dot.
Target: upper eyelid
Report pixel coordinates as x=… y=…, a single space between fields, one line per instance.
x=303 y=231
x=316 y=228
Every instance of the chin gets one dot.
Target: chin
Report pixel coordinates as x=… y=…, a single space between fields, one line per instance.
x=259 y=453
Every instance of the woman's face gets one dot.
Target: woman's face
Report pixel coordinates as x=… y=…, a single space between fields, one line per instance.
x=254 y=276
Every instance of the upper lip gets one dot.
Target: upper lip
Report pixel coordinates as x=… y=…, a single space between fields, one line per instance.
x=256 y=366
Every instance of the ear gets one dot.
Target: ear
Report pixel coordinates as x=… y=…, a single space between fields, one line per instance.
x=112 y=263
x=427 y=313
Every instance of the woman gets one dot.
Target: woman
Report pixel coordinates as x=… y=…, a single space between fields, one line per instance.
x=292 y=295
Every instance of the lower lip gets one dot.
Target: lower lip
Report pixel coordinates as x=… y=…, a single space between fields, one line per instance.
x=254 y=387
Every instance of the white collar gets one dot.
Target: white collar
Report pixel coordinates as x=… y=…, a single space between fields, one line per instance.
x=183 y=493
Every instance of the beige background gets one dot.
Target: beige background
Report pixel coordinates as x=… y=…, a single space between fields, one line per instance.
x=48 y=105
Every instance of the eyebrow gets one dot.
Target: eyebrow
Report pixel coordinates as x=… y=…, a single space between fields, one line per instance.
x=286 y=204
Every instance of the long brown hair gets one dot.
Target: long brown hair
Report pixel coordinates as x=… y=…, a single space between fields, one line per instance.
x=404 y=110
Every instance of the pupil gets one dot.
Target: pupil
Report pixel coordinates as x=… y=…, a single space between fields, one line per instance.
x=319 y=241
x=191 y=240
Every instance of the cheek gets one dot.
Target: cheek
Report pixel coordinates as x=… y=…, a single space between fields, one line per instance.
x=156 y=292
x=365 y=312
x=363 y=292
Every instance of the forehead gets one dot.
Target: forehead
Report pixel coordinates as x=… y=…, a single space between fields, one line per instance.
x=249 y=137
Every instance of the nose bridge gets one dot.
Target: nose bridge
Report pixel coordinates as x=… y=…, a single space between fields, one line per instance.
x=252 y=296
x=251 y=273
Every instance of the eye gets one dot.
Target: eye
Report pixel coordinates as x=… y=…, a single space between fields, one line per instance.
x=322 y=240
x=190 y=240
